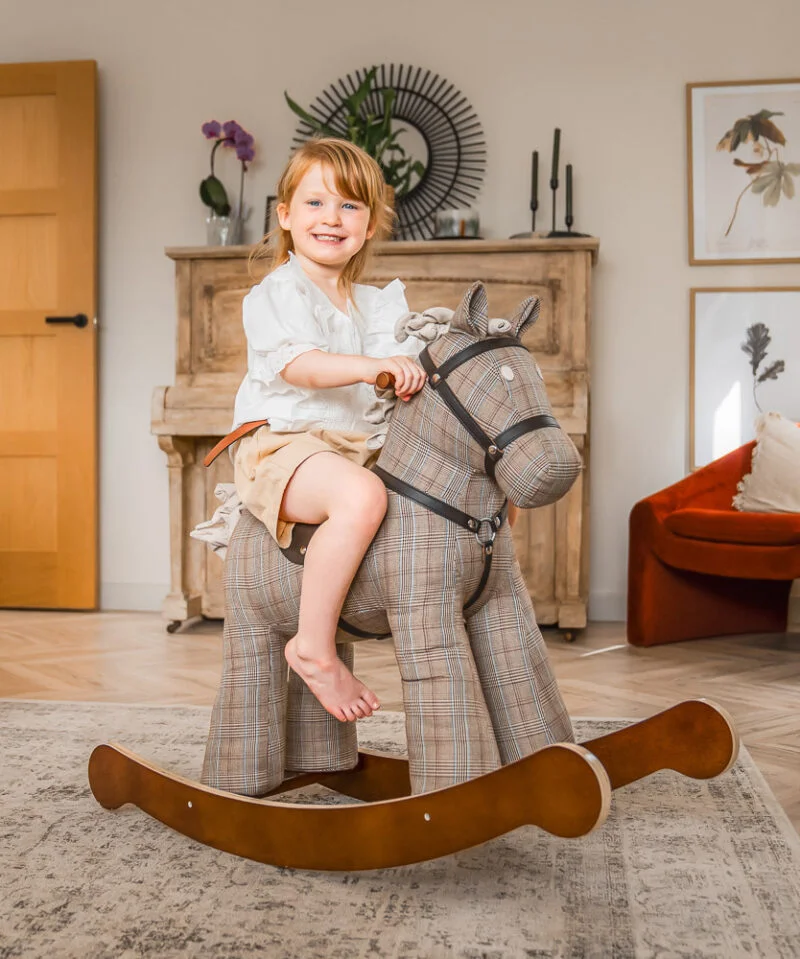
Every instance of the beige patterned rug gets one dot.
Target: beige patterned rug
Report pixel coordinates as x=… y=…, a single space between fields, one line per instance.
x=680 y=868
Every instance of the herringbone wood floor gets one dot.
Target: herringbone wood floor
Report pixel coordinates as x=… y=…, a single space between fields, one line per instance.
x=128 y=657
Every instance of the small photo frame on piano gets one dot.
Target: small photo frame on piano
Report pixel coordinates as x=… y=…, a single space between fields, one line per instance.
x=270 y=215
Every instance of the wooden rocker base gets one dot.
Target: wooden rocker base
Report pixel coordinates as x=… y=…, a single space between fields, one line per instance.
x=564 y=789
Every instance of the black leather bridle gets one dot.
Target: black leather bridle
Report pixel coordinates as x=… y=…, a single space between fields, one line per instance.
x=437 y=378
x=493 y=448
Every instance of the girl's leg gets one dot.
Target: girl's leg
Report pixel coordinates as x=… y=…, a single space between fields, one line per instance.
x=349 y=502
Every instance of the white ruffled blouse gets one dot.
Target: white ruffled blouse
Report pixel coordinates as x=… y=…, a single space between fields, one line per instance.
x=286 y=315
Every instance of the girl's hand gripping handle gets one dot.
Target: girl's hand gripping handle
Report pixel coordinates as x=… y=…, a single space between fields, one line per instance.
x=404 y=373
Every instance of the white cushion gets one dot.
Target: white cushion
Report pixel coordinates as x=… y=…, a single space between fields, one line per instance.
x=773 y=483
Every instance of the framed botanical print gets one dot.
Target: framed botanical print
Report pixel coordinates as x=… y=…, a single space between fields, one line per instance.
x=744 y=171
x=745 y=360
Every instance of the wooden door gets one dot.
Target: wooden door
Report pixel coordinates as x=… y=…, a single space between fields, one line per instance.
x=48 y=254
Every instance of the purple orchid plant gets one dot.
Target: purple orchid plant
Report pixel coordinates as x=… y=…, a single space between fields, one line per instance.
x=230 y=135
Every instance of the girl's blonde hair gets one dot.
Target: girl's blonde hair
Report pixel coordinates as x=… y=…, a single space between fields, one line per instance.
x=355 y=176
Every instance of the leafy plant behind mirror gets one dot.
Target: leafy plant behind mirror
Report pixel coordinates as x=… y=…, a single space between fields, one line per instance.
x=372 y=132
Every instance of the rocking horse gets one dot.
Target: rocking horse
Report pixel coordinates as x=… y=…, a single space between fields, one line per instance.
x=490 y=743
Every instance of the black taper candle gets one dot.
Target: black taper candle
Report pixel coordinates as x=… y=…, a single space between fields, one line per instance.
x=554 y=171
x=569 y=219
x=534 y=179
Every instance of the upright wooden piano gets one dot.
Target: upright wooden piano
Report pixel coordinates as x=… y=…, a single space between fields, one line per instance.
x=189 y=416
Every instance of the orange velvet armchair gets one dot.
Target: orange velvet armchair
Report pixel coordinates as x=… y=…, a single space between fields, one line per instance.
x=698 y=567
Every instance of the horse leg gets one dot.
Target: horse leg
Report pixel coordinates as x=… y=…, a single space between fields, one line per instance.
x=448 y=727
x=245 y=752
x=511 y=659
x=315 y=740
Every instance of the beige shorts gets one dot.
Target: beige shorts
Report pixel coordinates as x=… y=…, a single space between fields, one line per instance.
x=265 y=462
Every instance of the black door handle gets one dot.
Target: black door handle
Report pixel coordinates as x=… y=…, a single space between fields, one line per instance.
x=80 y=319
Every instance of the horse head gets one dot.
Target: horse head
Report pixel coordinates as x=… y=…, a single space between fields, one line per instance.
x=484 y=409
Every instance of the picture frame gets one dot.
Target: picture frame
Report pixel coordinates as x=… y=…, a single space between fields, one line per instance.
x=270 y=215
x=743 y=141
x=736 y=368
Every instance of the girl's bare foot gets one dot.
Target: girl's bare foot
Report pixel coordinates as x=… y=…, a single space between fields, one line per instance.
x=332 y=683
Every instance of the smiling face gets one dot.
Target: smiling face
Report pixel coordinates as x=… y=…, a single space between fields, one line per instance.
x=327 y=229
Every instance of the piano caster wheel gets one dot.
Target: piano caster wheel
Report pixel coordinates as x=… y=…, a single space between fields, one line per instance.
x=174 y=626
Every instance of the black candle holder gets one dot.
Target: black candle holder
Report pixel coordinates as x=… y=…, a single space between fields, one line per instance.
x=554 y=184
x=555 y=234
x=554 y=191
x=532 y=234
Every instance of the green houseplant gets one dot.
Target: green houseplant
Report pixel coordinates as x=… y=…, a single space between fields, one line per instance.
x=372 y=132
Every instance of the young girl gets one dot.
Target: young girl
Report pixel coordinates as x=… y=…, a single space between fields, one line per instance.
x=316 y=342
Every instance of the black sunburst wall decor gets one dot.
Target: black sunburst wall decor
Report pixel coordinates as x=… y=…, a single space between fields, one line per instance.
x=442 y=116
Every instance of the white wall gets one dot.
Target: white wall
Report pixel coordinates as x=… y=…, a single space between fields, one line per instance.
x=610 y=74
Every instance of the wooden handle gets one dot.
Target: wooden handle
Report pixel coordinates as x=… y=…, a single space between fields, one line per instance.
x=384 y=380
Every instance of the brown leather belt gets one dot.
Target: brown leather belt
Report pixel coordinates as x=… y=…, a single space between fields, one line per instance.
x=237 y=434
x=383 y=381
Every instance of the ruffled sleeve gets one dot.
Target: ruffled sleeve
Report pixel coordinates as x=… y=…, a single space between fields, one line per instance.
x=381 y=308
x=279 y=323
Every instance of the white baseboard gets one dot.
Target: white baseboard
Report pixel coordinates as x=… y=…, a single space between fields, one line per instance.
x=607 y=607
x=132 y=596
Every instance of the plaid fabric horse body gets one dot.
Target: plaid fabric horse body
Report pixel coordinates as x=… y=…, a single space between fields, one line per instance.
x=478 y=689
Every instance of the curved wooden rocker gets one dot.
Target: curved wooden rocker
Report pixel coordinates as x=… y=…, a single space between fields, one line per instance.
x=564 y=789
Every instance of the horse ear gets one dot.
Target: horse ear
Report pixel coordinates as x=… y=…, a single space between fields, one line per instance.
x=472 y=315
x=525 y=315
